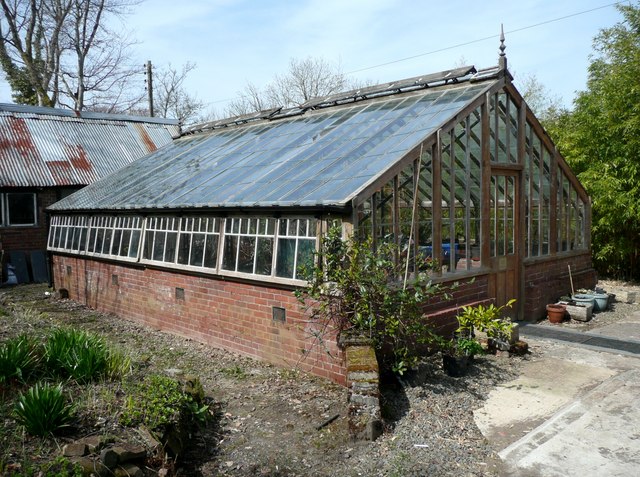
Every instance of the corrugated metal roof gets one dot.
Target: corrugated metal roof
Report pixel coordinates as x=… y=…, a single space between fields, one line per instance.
x=319 y=158
x=43 y=147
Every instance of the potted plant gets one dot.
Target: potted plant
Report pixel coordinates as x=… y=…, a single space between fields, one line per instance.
x=490 y=320
x=457 y=354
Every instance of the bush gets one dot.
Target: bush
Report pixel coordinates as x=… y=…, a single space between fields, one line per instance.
x=19 y=358
x=354 y=287
x=160 y=403
x=82 y=356
x=43 y=409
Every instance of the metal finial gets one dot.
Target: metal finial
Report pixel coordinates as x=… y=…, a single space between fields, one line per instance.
x=502 y=61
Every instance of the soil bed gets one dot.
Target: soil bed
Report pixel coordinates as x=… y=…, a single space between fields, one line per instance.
x=265 y=419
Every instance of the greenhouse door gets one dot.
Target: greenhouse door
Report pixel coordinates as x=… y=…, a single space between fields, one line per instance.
x=503 y=224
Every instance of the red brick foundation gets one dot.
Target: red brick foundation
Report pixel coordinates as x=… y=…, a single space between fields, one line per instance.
x=225 y=314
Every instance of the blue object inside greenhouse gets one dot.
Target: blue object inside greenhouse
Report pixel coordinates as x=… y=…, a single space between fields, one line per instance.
x=322 y=158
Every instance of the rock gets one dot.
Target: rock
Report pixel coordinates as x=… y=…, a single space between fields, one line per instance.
x=75 y=449
x=150 y=441
x=129 y=453
x=109 y=457
x=128 y=470
x=92 y=442
x=91 y=466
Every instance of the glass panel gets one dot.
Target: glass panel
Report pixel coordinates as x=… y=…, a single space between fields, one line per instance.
x=305 y=256
x=286 y=258
x=246 y=254
x=264 y=256
x=229 y=252
x=158 y=246
x=196 y=255
x=211 y=251
x=21 y=208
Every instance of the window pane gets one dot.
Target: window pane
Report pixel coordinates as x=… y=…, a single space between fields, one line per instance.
x=211 y=251
x=158 y=246
x=135 y=243
x=286 y=257
x=264 y=256
x=197 y=250
x=246 y=254
x=170 y=248
x=305 y=256
x=185 y=246
x=229 y=253
x=21 y=208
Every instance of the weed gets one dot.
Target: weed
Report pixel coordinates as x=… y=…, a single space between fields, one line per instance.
x=43 y=409
x=19 y=358
x=160 y=402
x=236 y=371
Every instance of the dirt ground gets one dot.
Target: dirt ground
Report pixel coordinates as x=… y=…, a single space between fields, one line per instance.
x=266 y=421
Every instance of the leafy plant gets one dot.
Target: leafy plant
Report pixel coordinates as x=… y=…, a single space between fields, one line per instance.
x=160 y=402
x=82 y=356
x=19 y=358
x=43 y=409
x=356 y=288
x=488 y=319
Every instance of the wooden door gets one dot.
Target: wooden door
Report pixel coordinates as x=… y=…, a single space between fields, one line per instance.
x=504 y=279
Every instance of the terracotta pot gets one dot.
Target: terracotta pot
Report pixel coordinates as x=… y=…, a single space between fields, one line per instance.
x=555 y=313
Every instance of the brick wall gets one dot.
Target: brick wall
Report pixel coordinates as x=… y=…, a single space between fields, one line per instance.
x=546 y=280
x=225 y=314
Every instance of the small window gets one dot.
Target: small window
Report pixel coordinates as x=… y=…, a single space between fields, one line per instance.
x=248 y=245
x=296 y=245
x=18 y=208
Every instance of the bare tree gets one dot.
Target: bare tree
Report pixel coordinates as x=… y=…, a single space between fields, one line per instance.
x=306 y=79
x=172 y=100
x=545 y=105
x=59 y=52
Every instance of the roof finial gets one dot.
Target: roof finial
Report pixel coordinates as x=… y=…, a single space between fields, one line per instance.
x=502 y=61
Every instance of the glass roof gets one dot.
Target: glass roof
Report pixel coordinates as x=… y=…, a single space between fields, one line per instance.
x=320 y=158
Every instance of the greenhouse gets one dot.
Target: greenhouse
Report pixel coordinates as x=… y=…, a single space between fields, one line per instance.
x=205 y=237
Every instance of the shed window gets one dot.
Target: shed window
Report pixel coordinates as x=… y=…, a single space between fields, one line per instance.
x=296 y=245
x=161 y=239
x=18 y=208
x=248 y=245
x=198 y=244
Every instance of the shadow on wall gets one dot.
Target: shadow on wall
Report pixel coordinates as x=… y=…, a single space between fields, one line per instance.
x=24 y=267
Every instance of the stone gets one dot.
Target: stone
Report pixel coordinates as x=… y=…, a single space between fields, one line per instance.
x=580 y=313
x=515 y=334
x=128 y=453
x=149 y=440
x=91 y=466
x=128 y=470
x=109 y=457
x=92 y=442
x=75 y=449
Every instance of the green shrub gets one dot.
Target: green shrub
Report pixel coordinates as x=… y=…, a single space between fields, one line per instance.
x=82 y=356
x=160 y=402
x=19 y=358
x=43 y=409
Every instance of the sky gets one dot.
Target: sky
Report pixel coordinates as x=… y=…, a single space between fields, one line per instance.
x=233 y=42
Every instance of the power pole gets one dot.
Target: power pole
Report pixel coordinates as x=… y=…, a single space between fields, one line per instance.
x=150 y=87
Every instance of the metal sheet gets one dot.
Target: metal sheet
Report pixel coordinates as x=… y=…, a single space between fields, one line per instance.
x=46 y=147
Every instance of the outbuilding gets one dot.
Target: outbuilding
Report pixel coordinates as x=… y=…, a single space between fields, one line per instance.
x=48 y=153
x=204 y=237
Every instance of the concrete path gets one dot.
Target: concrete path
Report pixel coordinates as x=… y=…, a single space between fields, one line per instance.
x=575 y=409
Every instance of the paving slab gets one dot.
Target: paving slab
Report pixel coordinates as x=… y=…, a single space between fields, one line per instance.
x=597 y=434
x=574 y=410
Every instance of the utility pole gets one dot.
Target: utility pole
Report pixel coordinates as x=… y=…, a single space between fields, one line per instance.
x=150 y=87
